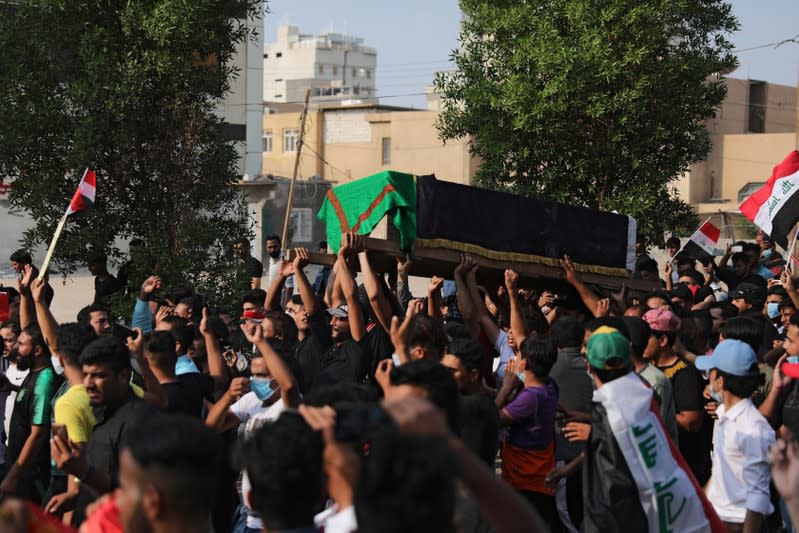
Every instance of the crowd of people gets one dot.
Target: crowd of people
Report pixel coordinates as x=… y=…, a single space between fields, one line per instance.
x=337 y=406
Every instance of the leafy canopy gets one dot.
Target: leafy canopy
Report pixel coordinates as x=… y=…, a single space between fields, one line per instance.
x=128 y=89
x=600 y=103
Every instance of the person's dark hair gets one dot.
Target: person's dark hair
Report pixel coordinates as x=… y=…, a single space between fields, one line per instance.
x=181 y=330
x=703 y=320
x=567 y=332
x=606 y=376
x=437 y=381
x=37 y=338
x=640 y=332
x=85 y=314
x=160 y=345
x=673 y=242
x=470 y=353
x=609 y=321
x=340 y=393
x=639 y=308
x=740 y=257
x=273 y=237
x=283 y=461
x=254 y=296
x=406 y=483
x=656 y=294
x=785 y=303
x=728 y=310
x=99 y=257
x=540 y=355
x=110 y=351
x=12 y=325
x=746 y=329
x=72 y=338
x=428 y=334
x=743 y=386
x=534 y=320
x=648 y=265
x=180 y=456
x=21 y=256
x=283 y=326
x=683 y=258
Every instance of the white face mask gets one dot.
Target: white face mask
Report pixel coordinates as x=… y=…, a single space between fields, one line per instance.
x=56 y=361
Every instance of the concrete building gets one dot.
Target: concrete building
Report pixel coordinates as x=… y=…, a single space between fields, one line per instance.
x=335 y=67
x=752 y=132
x=343 y=143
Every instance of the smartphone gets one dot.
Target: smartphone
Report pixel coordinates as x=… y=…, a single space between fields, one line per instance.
x=736 y=249
x=61 y=431
x=122 y=331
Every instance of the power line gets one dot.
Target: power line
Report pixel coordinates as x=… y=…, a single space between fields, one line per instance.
x=768 y=45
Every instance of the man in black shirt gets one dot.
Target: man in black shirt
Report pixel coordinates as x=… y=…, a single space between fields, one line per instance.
x=252 y=267
x=347 y=361
x=741 y=273
x=185 y=393
x=480 y=415
x=27 y=451
x=104 y=283
x=313 y=331
x=106 y=370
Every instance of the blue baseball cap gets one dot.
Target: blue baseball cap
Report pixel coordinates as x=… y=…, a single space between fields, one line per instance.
x=731 y=356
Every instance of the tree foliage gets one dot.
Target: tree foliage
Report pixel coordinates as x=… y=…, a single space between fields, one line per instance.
x=128 y=89
x=600 y=103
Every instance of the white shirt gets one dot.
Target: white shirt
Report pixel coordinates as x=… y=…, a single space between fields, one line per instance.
x=332 y=520
x=16 y=377
x=272 y=271
x=741 y=473
x=252 y=413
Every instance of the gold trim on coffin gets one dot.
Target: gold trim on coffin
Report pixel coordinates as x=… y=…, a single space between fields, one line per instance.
x=514 y=256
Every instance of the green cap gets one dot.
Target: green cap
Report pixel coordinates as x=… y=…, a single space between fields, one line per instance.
x=605 y=344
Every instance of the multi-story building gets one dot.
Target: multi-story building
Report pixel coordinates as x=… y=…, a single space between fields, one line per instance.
x=335 y=67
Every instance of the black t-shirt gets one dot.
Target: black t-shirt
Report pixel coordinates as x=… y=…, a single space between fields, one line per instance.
x=103 y=288
x=576 y=393
x=310 y=350
x=186 y=395
x=481 y=426
x=346 y=362
x=687 y=387
x=732 y=281
x=379 y=345
x=33 y=407
x=253 y=267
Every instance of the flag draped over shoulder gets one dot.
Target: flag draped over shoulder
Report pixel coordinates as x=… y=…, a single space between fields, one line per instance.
x=775 y=207
x=83 y=199
x=702 y=244
x=629 y=452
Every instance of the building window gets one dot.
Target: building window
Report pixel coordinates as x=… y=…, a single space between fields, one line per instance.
x=335 y=70
x=266 y=56
x=268 y=141
x=321 y=69
x=290 y=138
x=386 y=150
x=749 y=189
x=354 y=73
x=368 y=74
x=757 y=106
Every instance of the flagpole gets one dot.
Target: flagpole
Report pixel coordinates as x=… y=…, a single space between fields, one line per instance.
x=50 y=251
x=789 y=251
x=671 y=260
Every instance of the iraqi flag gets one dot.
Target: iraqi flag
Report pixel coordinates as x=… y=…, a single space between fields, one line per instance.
x=83 y=200
x=634 y=475
x=775 y=207
x=702 y=244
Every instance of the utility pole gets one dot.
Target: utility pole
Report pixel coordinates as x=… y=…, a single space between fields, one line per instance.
x=286 y=219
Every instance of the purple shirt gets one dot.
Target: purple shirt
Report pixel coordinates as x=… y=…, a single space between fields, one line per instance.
x=533 y=411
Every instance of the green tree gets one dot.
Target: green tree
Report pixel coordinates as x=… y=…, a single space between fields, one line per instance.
x=128 y=89
x=600 y=103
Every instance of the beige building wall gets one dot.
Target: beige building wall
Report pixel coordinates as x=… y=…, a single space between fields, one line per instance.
x=714 y=184
x=351 y=142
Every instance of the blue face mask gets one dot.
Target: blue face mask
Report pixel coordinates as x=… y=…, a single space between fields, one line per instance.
x=262 y=387
x=767 y=253
x=773 y=309
x=716 y=395
x=521 y=376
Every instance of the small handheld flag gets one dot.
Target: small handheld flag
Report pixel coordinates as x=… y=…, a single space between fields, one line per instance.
x=82 y=201
x=702 y=244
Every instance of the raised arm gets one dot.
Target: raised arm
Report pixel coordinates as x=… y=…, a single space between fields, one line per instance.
x=351 y=244
x=272 y=302
x=517 y=326
x=307 y=293
x=289 y=391
x=465 y=305
x=154 y=393
x=790 y=288
x=216 y=362
x=47 y=322
x=404 y=295
x=27 y=312
x=481 y=314
x=374 y=290
x=434 y=299
x=589 y=297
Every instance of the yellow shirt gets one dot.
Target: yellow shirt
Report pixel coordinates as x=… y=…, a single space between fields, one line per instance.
x=74 y=411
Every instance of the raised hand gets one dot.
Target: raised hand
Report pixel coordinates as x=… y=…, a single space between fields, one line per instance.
x=37 y=290
x=435 y=285
x=149 y=286
x=25 y=278
x=568 y=270
x=511 y=281
x=301 y=259
x=204 y=327
x=253 y=331
x=351 y=244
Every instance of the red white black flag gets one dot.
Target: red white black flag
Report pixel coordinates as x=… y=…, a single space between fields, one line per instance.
x=702 y=244
x=775 y=207
x=83 y=200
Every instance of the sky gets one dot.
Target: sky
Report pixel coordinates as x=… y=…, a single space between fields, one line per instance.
x=414 y=38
